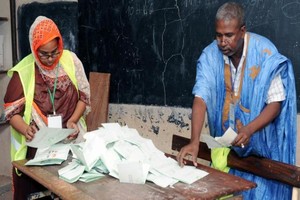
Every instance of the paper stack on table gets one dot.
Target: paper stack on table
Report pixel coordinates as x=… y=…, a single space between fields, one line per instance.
x=127 y=156
x=120 y=152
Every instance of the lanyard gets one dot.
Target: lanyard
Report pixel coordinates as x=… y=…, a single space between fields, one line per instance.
x=52 y=95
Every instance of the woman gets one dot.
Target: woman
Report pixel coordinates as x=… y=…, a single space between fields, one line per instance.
x=48 y=82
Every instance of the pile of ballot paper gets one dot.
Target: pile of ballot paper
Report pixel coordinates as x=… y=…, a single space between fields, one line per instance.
x=120 y=152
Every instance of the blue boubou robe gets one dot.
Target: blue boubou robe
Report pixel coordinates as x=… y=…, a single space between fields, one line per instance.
x=277 y=141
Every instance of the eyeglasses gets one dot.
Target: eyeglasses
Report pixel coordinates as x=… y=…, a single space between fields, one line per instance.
x=46 y=56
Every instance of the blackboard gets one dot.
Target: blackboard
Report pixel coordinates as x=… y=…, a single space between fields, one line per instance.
x=64 y=14
x=150 y=47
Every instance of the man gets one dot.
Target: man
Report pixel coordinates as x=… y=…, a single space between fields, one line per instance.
x=243 y=82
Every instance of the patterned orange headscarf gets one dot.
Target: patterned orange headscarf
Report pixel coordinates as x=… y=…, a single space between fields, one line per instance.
x=42 y=31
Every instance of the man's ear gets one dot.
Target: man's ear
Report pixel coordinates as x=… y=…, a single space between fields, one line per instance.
x=243 y=29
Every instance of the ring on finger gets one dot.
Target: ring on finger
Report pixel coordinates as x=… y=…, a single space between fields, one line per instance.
x=242 y=145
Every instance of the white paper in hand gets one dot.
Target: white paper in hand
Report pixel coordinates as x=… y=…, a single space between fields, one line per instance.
x=46 y=137
x=227 y=138
x=217 y=142
x=210 y=141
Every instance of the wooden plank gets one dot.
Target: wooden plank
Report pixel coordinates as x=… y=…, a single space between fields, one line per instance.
x=178 y=142
x=263 y=167
x=99 y=85
x=58 y=186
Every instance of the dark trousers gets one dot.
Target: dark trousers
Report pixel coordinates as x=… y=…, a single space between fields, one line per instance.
x=24 y=185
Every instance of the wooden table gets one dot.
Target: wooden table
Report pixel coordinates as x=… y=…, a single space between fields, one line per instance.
x=214 y=185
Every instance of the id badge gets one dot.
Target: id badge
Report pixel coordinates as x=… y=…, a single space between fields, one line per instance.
x=54 y=121
x=231 y=115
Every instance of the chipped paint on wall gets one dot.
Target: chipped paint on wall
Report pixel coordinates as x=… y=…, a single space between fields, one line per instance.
x=157 y=123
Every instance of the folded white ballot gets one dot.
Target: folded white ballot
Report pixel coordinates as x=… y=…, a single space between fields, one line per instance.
x=217 y=142
x=91 y=176
x=169 y=167
x=133 y=172
x=55 y=154
x=46 y=137
x=72 y=172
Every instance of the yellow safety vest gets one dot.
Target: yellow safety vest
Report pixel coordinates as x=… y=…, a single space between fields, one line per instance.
x=26 y=70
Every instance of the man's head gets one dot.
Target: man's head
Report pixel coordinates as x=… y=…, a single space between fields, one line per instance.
x=230 y=29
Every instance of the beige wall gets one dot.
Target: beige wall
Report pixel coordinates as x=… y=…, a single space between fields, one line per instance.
x=155 y=122
x=5 y=165
x=5 y=30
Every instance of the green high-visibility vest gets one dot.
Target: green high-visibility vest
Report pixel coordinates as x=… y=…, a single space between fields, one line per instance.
x=26 y=70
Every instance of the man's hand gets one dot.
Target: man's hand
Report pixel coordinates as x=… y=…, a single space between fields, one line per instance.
x=191 y=150
x=268 y=114
x=243 y=137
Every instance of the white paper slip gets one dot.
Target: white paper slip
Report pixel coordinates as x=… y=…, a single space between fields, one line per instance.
x=89 y=152
x=217 y=142
x=210 y=141
x=170 y=167
x=73 y=174
x=160 y=179
x=46 y=137
x=90 y=176
x=133 y=172
x=227 y=138
x=87 y=160
x=55 y=154
x=68 y=168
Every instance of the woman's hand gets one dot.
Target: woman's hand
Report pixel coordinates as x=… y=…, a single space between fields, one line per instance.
x=73 y=125
x=18 y=123
x=29 y=132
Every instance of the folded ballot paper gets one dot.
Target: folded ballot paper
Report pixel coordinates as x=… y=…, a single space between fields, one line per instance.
x=72 y=172
x=124 y=154
x=50 y=150
x=54 y=154
x=133 y=172
x=217 y=142
x=46 y=137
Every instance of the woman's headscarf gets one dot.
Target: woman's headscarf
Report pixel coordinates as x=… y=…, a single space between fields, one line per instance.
x=42 y=31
